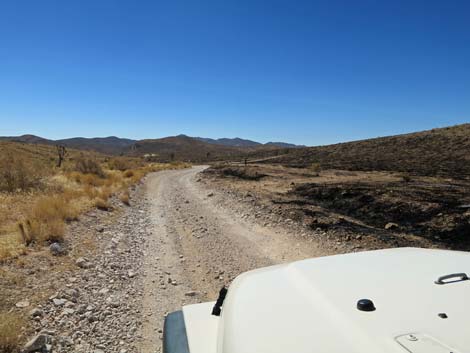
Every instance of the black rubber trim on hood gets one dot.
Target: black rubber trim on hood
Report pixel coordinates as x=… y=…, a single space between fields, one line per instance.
x=175 y=339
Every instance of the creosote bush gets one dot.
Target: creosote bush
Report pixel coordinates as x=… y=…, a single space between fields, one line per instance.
x=89 y=166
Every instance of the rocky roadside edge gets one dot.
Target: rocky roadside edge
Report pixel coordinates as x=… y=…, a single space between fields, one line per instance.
x=97 y=307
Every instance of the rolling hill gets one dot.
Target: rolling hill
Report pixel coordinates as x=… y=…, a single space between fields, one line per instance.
x=443 y=152
x=106 y=145
x=186 y=148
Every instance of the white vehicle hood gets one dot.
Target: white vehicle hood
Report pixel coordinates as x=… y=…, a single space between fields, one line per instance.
x=310 y=306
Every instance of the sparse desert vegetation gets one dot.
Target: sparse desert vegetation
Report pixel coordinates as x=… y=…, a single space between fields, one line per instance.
x=38 y=200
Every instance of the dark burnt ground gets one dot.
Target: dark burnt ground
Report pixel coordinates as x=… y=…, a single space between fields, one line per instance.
x=438 y=152
x=436 y=211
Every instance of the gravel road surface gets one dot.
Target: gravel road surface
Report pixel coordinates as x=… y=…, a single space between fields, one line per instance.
x=200 y=241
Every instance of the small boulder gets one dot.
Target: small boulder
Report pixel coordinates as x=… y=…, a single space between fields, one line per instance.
x=22 y=304
x=40 y=343
x=59 y=302
x=56 y=249
x=82 y=263
x=71 y=294
x=36 y=312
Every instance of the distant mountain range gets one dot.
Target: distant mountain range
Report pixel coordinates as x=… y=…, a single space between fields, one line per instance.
x=116 y=145
x=238 y=142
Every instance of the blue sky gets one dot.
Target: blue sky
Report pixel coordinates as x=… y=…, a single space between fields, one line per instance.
x=310 y=72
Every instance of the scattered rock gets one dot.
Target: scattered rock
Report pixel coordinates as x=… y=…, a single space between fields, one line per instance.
x=82 y=263
x=36 y=312
x=59 y=302
x=22 y=304
x=56 y=249
x=71 y=294
x=40 y=343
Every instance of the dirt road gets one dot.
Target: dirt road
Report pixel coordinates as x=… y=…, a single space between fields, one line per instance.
x=198 y=243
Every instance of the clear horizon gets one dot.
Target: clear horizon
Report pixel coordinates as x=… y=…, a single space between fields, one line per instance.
x=310 y=73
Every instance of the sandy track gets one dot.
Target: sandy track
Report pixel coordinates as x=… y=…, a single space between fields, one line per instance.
x=197 y=245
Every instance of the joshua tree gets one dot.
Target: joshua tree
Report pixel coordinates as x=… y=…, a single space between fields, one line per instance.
x=61 y=152
x=208 y=154
x=172 y=156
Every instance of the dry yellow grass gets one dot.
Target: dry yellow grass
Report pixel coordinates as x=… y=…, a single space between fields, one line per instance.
x=125 y=198
x=46 y=220
x=38 y=215
x=125 y=163
x=102 y=204
x=10 y=328
x=89 y=166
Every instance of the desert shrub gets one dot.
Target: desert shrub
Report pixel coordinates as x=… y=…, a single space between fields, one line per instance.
x=102 y=204
x=10 y=246
x=10 y=328
x=17 y=174
x=315 y=168
x=89 y=166
x=87 y=179
x=123 y=164
x=129 y=173
x=46 y=220
x=125 y=198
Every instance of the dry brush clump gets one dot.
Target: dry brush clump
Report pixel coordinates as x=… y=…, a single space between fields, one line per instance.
x=89 y=166
x=125 y=163
x=47 y=218
x=102 y=204
x=10 y=328
x=16 y=174
x=125 y=198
